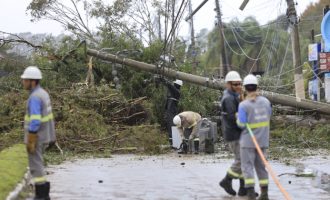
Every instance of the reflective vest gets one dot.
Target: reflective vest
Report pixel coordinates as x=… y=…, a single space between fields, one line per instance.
x=258 y=117
x=46 y=132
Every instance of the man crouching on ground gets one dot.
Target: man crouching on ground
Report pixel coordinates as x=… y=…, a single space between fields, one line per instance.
x=187 y=123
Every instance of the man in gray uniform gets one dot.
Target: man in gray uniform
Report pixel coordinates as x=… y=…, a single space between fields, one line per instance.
x=231 y=132
x=39 y=129
x=255 y=111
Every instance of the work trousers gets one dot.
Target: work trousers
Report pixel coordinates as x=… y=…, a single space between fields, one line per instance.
x=251 y=160
x=36 y=164
x=235 y=170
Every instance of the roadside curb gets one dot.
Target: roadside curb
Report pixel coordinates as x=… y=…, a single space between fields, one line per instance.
x=13 y=195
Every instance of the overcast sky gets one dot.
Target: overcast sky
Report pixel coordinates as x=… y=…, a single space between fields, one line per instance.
x=14 y=19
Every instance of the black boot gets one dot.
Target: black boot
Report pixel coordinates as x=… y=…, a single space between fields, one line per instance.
x=170 y=141
x=42 y=191
x=227 y=185
x=251 y=194
x=183 y=147
x=196 y=147
x=47 y=191
x=264 y=193
x=242 y=190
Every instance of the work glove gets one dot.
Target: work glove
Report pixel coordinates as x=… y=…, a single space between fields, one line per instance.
x=32 y=143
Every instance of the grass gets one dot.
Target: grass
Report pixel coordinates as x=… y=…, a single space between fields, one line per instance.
x=13 y=163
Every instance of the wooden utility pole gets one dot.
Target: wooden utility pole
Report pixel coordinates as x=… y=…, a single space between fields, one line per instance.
x=276 y=98
x=298 y=72
x=159 y=26
x=224 y=64
x=192 y=37
x=173 y=26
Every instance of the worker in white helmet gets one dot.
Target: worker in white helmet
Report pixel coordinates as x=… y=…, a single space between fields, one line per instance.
x=231 y=132
x=187 y=123
x=39 y=129
x=255 y=111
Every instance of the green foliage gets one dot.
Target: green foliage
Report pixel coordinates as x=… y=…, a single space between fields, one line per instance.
x=302 y=137
x=198 y=99
x=13 y=163
x=311 y=18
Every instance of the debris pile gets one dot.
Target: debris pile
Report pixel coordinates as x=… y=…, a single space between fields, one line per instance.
x=93 y=119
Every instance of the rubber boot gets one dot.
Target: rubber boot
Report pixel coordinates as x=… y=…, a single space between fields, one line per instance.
x=264 y=193
x=196 y=147
x=227 y=185
x=251 y=194
x=183 y=148
x=47 y=191
x=242 y=190
x=170 y=141
x=42 y=191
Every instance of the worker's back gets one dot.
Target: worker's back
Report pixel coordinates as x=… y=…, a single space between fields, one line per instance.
x=191 y=119
x=258 y=117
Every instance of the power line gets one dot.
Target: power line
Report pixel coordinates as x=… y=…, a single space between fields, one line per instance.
x=282 y=66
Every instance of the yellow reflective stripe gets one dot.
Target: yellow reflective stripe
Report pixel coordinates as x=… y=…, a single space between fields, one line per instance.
x=259 y=124
x=239 y=123
x=263 y=182
x=249 y=181
x=40 y=179
x=196 y=139
x=47 y=118
x=35 y=117
x=38 y=117
x=233 y=174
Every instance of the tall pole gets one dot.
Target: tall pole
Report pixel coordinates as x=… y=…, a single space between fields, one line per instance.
x=298 y=72
x=192 y=37
x=159 y=26
x=224 y=64
x=173 y=25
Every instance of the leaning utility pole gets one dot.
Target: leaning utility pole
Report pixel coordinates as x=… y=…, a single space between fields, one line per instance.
x=298 y=71
x=276 y=98
x=224 y=64
x=192 y=37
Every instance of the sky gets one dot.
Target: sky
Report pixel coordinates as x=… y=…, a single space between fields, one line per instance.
x=14 y=19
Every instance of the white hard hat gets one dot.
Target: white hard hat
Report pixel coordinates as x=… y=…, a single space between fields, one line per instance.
x=177 y=120
x=250 y=80
x=233 y=76
x=32 y=72
x=178 y=82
